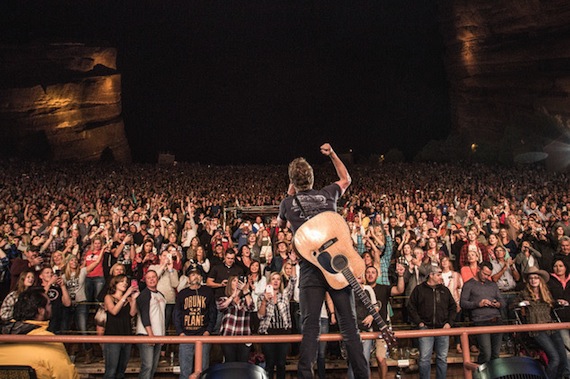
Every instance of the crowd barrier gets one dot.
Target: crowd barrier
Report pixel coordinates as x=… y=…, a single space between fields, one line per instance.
x=463 y=332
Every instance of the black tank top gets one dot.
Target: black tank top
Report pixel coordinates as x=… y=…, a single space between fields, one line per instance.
x=119 y=325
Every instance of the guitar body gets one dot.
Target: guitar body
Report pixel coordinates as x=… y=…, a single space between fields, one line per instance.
x=323 y=237
x=324 y=240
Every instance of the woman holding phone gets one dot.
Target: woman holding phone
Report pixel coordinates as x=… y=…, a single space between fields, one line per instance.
x=121 y=307
x=235 y=307
x=275 y=318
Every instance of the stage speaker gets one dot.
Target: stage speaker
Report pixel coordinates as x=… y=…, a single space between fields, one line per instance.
x=511 y=368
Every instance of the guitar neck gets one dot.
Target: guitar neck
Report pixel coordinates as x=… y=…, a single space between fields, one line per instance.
x=364 y=298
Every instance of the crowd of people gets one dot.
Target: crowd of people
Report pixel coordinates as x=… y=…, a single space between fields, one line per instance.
x=158 y=244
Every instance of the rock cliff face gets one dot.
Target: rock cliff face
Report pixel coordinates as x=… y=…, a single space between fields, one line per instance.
x=61 y=102
x=507 y=62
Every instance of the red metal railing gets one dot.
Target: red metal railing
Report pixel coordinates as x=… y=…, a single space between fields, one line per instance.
x=463 y=332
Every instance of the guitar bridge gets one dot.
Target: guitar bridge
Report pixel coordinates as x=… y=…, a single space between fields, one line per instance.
x=328 y=244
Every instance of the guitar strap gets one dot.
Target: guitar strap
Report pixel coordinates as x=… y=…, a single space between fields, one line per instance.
x=303 y=213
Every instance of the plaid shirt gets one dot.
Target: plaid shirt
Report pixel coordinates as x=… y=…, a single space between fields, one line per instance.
x=385 y=259
x=236 y=317
x=282 y=306
x=7 y=309
x=360 y=246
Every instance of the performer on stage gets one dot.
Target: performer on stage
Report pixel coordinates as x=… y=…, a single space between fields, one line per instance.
x=303 y=203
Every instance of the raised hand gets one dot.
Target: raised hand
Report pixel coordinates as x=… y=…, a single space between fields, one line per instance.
x=326 y=149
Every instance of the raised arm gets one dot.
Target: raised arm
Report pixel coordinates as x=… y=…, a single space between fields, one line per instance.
x=343 y=175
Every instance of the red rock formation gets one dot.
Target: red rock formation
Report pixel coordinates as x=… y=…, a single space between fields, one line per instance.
x=507 y=61
x=62 y=102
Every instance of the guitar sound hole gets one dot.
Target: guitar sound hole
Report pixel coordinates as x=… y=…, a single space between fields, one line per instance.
x=339 y=262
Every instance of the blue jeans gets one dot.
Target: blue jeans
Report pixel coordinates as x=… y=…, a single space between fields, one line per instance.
x=489 y=344
x=427 y=345
x=367 y=347
x=93 y=286
x=116 y=359
x=565 y=334
x=322 y=354
x=219 y=319
x=311 y=302
x=186 y=356
x=150 y=354
x=235 y=352
x=168 y=315
x=275 y=358
x=553 y=346
x=78 y=313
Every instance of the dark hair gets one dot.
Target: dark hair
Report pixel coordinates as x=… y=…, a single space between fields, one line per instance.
x=240 y=252
x=259 y=273
x=375 y=269
x=485 y=264
x=301 y=174
x=28 y=304
x=114 y=281
x=563 y=262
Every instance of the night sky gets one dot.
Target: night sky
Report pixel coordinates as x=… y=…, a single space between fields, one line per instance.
x=260 y=82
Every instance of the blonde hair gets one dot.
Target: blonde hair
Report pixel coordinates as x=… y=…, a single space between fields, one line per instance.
x=67 y=270
x=283 y=273
x=543 y=292
x=115 y=266
x=52 y=263
x=280 y=276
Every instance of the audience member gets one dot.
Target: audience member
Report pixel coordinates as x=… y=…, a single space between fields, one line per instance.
x=194 y=315
x=539 y=303
x=25 y=281
x=275 y=318
x=482 y=297
x=121 y=307
x=382 y=293
x=235 y=307
x=151 y=306
x=39 y=224
x=432 y=306
x=32 y=312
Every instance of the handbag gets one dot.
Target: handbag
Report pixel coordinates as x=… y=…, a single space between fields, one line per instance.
x=101 y=315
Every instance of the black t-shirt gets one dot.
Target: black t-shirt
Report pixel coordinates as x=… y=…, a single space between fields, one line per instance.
x=54 y=294
x=382 y=293
x=124 y=258
x=362 y=311
x=313 y=203
x=221 y=272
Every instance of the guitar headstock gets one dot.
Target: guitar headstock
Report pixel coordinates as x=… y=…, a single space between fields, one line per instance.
x=388 y=336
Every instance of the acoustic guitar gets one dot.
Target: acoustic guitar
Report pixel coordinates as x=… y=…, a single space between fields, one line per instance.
x=324 y=240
